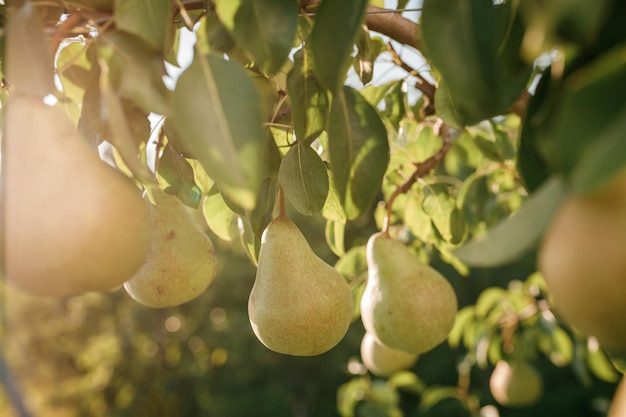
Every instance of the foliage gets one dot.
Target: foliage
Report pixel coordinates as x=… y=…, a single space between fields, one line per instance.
x=498 y=111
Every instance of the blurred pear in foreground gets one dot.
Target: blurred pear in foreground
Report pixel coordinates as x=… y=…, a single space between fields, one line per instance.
x=583 y=260
x=72 y=223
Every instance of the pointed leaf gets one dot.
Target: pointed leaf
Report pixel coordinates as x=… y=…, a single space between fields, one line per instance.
x=337 y=25
x=359 y=151
x=266 y=28
x=513 y=237
x=120 y=51
x=177 y=174
x=218 y=216
x=304 y=178
x=218 y=115
x=147 y=19
x=309 y=101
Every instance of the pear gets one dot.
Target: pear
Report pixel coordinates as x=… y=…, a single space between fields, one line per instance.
x=181 y=263
x=72 y=223
x=583 y=260
x=406 y=305
x=382 y=360
x=618 y=404
x=515 y=383
x=299 y=305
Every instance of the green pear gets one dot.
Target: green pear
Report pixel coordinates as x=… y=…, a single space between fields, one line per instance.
x=72 y=223
x=406 y=305
x=181 y=263
x=583 y=260
x=382 y=360
x=299 y=305
x=515 y=383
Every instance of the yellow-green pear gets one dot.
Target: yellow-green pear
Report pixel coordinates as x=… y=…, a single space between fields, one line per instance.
x=583 y=260
x=382 y=360
x=406 y=305
x=181 y=263
x=515 y=383
x=72 y=223
x=299 y=305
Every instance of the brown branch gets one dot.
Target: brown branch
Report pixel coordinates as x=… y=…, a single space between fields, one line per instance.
x=423 y=85
x=421 y=169
x=394 y=25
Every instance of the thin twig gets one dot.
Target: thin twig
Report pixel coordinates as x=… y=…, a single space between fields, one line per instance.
x=422 y=83
x=421 y=169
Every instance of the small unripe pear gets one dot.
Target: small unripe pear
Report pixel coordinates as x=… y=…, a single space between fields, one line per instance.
x=583 y=260
x=382 y=360
x=181 y=263
x=515 y=383
x=299 y=305
x=406 y=305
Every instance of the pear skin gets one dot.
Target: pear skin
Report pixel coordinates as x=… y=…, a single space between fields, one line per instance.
x=299 y=305
x=72 y=223
x=181 y=263
x=618 y=403
x=515 y=383
x=382 y=360
x=406 y=305
x=583 y=260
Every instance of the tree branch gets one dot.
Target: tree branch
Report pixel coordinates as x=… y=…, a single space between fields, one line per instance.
x=421 y=169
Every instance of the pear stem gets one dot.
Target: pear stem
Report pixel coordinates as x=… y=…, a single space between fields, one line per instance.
x=282 y=210
x=421 y=169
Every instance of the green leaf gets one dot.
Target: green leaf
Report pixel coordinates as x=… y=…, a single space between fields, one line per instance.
x=416 y=219
x=146 y=19
x=601 y=366
x=120 y=51
x=368 y=49
x=29 y=63
x=309 y=101
x=334 y=233
x=485 y=38
x=332 y=209
x=442 y=209
x=304 y=179
x=359 y=151
x=464 y=319
x=218 y=216
x=178 y=176
x=487 y=300
x=266 y=28
x=513 y=237
x=589 y=139
x=261 y=216
x=218 y=116
x=337 y=25
x=122 y=137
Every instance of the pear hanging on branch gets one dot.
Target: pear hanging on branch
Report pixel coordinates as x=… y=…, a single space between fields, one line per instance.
x=72 y=223
x=515 y=383
x=406 y=305
x=299 y=305
x=181 y=263
x=382 y=360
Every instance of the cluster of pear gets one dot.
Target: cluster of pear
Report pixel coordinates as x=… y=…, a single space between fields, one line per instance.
x=583 y=260
x=407 y=307
x=73 y=224
x=515 y=383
